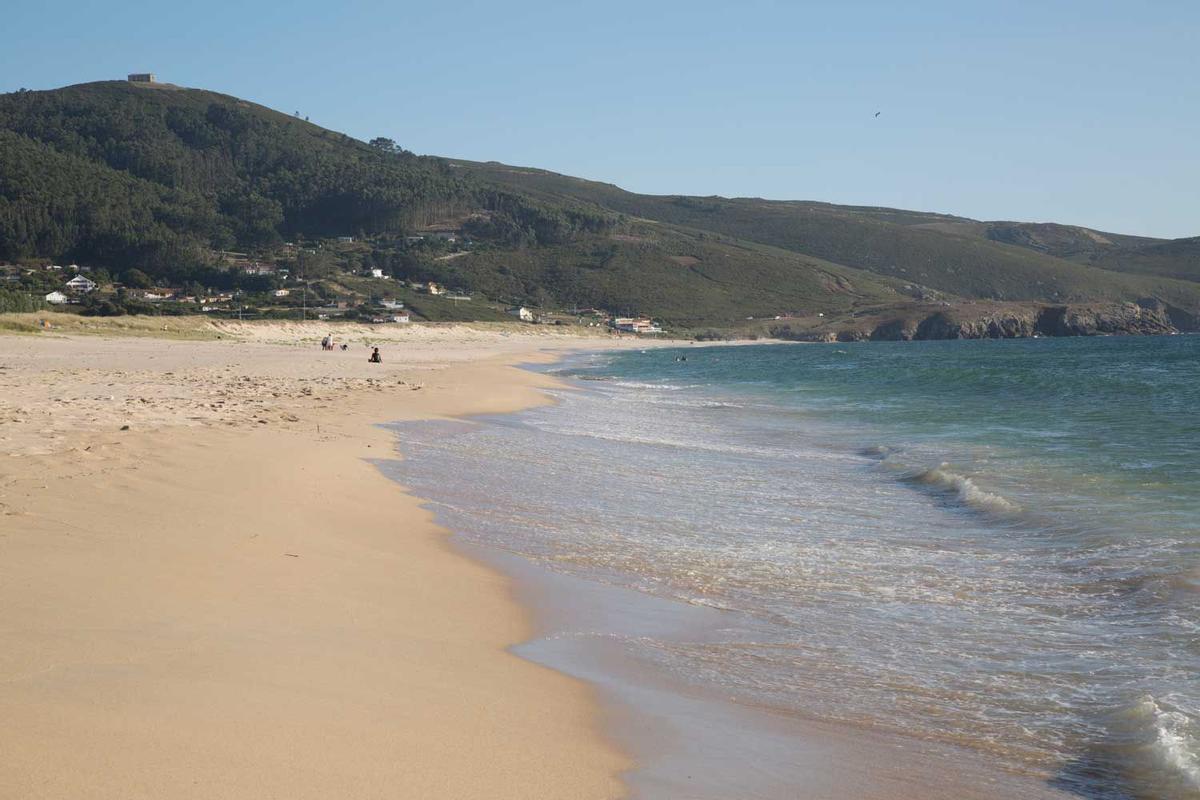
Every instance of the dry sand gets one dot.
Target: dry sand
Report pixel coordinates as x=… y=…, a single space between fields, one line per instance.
x=227 y=600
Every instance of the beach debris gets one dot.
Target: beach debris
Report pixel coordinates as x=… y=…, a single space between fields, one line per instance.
x=293 y=555
x=124 y=427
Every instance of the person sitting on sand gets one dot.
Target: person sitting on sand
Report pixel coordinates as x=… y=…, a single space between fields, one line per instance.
x=375 y=357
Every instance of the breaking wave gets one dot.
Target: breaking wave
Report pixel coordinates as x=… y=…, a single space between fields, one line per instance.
x=965 y=489
x=945 y=481
x=1156 y=747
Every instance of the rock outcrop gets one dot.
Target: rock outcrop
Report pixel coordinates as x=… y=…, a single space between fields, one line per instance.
x=1147 y=317
x=1008 y=325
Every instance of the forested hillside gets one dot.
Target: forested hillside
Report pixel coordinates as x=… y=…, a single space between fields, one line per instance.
x=143 y=174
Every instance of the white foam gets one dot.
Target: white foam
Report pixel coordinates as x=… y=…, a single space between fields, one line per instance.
x=1166 y=748
x=1174 y=744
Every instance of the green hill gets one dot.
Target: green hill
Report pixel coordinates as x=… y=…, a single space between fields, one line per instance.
x=168 y=180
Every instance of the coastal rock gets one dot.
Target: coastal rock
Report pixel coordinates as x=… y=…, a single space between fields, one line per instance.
x=896 y=330
x=1115 y=318
x=1149 y=316
x=1004 y=325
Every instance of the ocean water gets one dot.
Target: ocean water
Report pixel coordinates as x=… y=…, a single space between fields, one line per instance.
x=989 y=544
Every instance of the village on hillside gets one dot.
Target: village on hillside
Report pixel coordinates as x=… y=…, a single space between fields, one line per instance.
x=331 y=279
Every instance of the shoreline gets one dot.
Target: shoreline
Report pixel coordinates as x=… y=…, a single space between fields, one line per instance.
x=688 y=740
x=218 y=606
x=223 y=607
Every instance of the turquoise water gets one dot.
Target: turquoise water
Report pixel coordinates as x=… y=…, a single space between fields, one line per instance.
x=991 y=544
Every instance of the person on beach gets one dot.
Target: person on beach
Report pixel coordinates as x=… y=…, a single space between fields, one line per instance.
x=325 y=343
x=375 y=357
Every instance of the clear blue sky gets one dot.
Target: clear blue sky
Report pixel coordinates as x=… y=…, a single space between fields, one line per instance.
x=1077 y=112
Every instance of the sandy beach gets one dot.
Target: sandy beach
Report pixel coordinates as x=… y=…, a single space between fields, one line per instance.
x=210 y=591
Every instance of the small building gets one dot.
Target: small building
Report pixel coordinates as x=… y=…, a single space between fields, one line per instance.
x=258 y=269
x=142 y=77
x=434 y=288
x=391 y=304
x=635 y=325
x=346 y=239
x=400 y=317
x=56 y=298
x=82 y=284
x=522 y=313
x=375 y=273
x=281 y=292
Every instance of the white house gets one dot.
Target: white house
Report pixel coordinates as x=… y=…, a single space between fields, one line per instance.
x=56 y=298
x=375 y=273
x=434 y=288
x=401 y=316
x=522 y=313
x=635 y=325
x=82 y=284
x=281 y=292
x=391 y=304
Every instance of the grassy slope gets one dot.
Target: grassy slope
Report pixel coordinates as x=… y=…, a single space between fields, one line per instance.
x=948 y=253
x=688 y=278
x=1137 y=255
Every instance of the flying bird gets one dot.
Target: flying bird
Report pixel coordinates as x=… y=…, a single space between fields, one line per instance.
x=877 y=113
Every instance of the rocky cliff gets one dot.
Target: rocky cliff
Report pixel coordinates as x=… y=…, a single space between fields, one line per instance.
x=1021 y=321
x=1002 y=321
